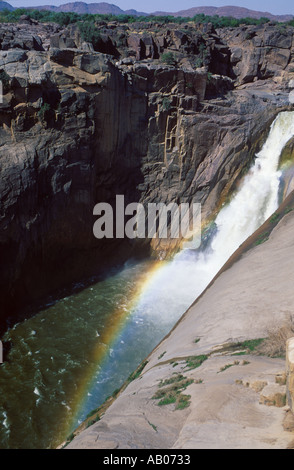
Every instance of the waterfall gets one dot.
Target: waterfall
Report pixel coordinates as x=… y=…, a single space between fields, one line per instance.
x=182 y=280
x=257 y=198
x=176 y=284
x=87 y=344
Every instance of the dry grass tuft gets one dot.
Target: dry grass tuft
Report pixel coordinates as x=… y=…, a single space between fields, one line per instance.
x=275 y=343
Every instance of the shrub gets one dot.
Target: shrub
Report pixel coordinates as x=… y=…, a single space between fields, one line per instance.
x=90 y=33
x=166 y=103
x=195 y=361
x=134 y=375
x=168 y=58
x=170 y=392
x=198 y=62
x=275 y=344
x=44 y=110
x=227 y=366
x=183 y=402
x=5 y=79
x=161 y=355
x=262 y=238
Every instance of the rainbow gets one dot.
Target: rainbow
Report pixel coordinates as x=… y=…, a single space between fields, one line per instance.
x=117 y=322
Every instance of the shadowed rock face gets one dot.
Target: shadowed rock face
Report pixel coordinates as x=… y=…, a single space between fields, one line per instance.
x=78 y=127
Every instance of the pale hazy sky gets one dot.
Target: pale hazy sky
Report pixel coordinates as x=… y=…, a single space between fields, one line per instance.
x=272 y=6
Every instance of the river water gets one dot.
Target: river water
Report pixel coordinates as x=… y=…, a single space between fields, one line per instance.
x=68 y=358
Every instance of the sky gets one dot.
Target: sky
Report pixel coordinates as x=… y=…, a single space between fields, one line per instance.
x=272 y=6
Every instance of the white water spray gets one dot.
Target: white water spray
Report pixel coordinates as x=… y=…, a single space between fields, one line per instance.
x=257 y=199
x=181 y=281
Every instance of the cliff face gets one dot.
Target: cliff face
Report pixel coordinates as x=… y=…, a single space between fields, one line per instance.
x=79 y=126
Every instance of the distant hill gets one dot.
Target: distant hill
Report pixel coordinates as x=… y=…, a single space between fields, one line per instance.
x=235 y=12
x=5 y=6
x=82 y=8
x=108 y=8
x=101 y=8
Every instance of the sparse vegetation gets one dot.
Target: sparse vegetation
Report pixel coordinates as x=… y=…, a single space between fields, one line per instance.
x=5 y=79
x=288 y=209
x=44 y=111
x=168 y=58
x=137 y=372
x=90 y=33
x=195 y=361
x=275 y=343
x=241 y=348
x=167 y=399
x=262 y=238
x=235 y=363
x=152 y=425
x=227 y=366
x=251 y=344
x=69 y=439
x=198 y=62
x=170 y=391
x=92 y=421
x=66 y=18
x=161 y=355
x=282 y=28
x=183 y=402
x=171 y=380
x=245 y=363
x=275 y=217
x=166 y=103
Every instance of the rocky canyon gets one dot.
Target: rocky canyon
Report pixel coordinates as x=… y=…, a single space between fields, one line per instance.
x=159 y=113
x=155 y=113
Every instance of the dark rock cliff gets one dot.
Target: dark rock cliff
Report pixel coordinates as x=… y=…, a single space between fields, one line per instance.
x=78 y=126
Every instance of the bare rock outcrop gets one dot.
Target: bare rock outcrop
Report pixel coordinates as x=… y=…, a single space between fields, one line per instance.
x=259 y=52
x=27 y=35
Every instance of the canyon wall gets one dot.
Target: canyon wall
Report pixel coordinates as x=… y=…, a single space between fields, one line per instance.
x=78 y=126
